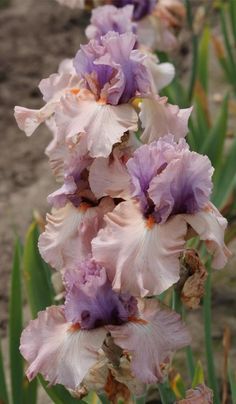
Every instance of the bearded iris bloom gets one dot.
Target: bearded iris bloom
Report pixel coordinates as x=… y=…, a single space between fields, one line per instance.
x=63 y=343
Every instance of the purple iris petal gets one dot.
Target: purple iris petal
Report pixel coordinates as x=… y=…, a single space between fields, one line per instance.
x=110 y=18
x=168 y=179
x=113 y=70
x=92 y=303
x=141 y=7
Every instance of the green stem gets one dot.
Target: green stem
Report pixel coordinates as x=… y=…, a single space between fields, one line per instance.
x=212 y=381
x=176 y=301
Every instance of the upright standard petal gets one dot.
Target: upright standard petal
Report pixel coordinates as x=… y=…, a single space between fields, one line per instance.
x=210 y=226
x=141 y=257
x=159 y=118
x=103 y=125
x=151 y=339
x=109 y=18
x=61 y=353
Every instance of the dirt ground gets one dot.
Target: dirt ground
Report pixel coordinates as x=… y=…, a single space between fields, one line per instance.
x=35 y=35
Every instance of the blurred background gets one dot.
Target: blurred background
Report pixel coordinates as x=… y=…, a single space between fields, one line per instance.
x=35 y=35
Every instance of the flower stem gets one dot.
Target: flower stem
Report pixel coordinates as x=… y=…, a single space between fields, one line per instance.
x=212 y=381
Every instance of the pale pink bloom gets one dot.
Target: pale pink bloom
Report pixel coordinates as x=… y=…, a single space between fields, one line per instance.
x=52 y=88
x=59 y=351
x=142 y=241
x=151 y=340
x=63 y=343
x=141 y=256
x=159 y=118
x=69 y=231
x=101 y=125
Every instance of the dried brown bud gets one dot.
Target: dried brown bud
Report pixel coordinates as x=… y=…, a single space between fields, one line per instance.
x=192 y=278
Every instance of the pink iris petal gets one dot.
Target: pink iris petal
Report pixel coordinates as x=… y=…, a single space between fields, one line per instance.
x=52 y=89
x=160 y=118
x=102 y=124
x=140 y=256
x=69 y=231
x=109 y=176
x=60 y=353
x=210 y=225
x=161 y=73
x=151 y=339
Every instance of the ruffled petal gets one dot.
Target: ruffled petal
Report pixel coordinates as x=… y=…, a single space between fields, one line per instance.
x=184 y=186
x=140 y=256
x=210 y=226
x=54 y=85
x=103 y=124
x=69 y=231
x=52 y=89
x=28 y=120
x=160 y=118
x=151 y=339
x=58 y=351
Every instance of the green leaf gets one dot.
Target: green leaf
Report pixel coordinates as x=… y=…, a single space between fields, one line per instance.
x=203 y=56
x=232 y=13
x=226 y=179
x=3 y=386
x=213 y=145
x=15 y=327
x=37 y=278
x=232 y=382
x=198 y=377
x=59 y=394
x=30 y=391
x=201 y=126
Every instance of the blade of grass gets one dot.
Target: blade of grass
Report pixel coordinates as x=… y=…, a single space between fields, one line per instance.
x=213 y=144
x=15 y=327
x=212 y=381
x=225 y=181
x=232 y=13
x=3 y=387
x=228 y=46
x=203 y=52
